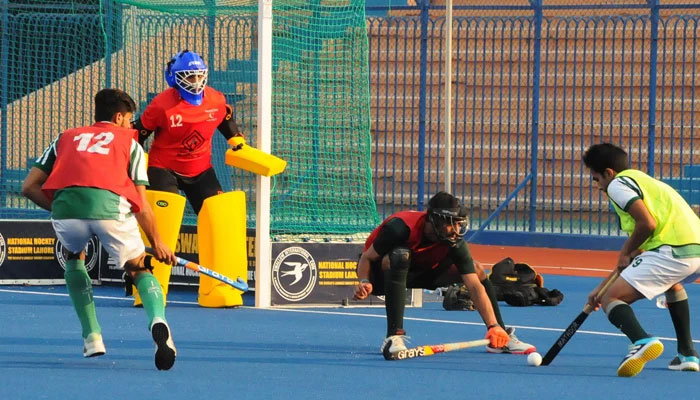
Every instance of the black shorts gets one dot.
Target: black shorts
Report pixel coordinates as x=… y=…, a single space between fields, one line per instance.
x=419 y=276
x=196 y=188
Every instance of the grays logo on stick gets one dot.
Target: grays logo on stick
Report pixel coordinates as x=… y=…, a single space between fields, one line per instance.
x=429 y=350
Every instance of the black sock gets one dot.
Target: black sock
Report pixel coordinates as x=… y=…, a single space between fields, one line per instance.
x=395 y=299
x=622 y=316
x=491 y=292
x=680 y=315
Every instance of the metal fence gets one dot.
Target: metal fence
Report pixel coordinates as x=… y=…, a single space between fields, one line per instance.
x=532 y=89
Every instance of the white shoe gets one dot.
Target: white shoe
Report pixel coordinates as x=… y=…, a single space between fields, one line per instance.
x=165 y=348
x=395 y=342
x=514 y=345
x=93 y=345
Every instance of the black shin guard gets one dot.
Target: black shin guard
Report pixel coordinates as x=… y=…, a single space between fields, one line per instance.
x=680 y=316
x=395 y=289
x=491 y=292
x=622 y=316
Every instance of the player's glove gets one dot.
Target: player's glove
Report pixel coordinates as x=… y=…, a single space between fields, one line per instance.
x=237 y=142
x=497 y=336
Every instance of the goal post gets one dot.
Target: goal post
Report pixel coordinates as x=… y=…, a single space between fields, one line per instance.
x=263 y=249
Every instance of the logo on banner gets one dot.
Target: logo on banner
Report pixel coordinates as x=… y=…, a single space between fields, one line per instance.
x=294 y=273
x=91 y=254
x=3 y=249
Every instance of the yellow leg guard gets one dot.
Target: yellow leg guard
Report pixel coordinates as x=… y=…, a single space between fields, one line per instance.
x=221 y=232
x=168 y=209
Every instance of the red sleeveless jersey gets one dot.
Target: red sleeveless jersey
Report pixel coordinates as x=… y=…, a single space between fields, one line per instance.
x=429 y=255
x=184 y=132
x=94 y=156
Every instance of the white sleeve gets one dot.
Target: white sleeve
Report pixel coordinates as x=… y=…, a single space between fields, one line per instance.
x=624 y=191
x=47 y=159
x=137 y=164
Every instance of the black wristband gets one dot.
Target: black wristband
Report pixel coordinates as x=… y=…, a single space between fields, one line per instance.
x=491 y=326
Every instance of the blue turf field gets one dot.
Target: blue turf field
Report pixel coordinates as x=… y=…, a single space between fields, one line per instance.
x=329 y=353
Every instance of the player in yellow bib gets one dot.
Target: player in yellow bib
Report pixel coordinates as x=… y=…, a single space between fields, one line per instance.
x=661 y=253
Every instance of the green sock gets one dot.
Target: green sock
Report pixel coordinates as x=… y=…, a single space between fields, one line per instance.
x=395 y=299
x=624 y=319
x=680 y=315
x=151 y=296
x=491 y=292
x=80 y=291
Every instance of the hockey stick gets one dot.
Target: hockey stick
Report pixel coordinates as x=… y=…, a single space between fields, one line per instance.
x=429 y=350
x=569 y=332
x=239 y=284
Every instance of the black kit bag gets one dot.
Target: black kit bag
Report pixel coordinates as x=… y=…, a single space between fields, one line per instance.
x=457 y=298
x=518 y=284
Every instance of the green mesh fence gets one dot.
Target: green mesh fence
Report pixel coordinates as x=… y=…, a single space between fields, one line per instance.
x=63 y=52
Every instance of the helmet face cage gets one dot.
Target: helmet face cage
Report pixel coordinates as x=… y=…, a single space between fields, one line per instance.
x=192 y=81
x=454 y=217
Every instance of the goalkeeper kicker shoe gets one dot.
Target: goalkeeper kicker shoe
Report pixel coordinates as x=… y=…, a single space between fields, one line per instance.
x=685 y=363
x=640 y=352
x=514 y=345
x=93 y=345
x=165 y=348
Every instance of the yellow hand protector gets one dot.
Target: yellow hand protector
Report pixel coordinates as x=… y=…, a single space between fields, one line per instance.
x=251 y=159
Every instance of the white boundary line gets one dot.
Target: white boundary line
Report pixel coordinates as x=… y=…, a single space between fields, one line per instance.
x=353 y=314
x=96 y=297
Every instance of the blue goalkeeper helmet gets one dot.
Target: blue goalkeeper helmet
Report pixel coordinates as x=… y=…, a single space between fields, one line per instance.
x=187 y=73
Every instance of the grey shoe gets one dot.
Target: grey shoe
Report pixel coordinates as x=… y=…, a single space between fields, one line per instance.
x=395 y=343
x=514 y=345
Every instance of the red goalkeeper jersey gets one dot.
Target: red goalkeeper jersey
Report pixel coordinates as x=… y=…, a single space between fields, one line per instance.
x=183 y=132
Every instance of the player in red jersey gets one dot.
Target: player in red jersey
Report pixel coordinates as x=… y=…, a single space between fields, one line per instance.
x=184 y=118
x=93 y=179
x=413 y=249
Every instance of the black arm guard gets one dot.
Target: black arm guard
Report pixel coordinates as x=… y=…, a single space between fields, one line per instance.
x=143 y=132
x=228 y=126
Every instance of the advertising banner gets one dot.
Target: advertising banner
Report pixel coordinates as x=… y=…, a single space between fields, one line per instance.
x=31 y=254
x=317 y=274
x=303 y=273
